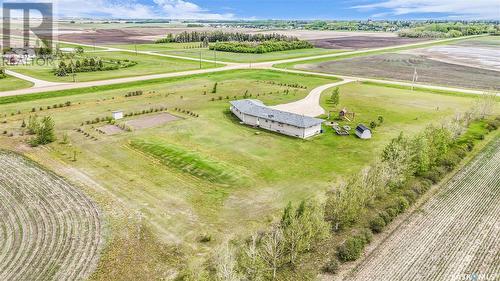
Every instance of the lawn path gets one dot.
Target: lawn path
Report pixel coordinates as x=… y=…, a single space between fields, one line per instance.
x=310 y=105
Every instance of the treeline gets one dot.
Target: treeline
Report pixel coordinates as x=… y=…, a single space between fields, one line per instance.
x=449 y=30
x=260 y=48
x=441 y=27
x=220 y=36
x=338 y=231
x=90 y=65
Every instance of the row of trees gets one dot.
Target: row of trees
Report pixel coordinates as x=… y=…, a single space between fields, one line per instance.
x=90 y=65
x=260 y=48
x=220 y=36
x=448 y=30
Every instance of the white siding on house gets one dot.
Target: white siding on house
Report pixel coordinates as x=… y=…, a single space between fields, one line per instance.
x=275 y=126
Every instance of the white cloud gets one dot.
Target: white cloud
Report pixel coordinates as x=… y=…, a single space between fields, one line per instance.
x=173 y=9
x=460 y=9
x=180 y=9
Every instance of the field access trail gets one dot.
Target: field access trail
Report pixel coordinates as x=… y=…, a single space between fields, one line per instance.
x=49 y=230
x=453 y=236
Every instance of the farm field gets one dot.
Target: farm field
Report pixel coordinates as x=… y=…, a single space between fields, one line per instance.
x=179 y=204
x=398 y=66
x=480 y=52
x=363 y=42
x=146 y=64
x=48 y=228
x=12 y=83
x=453 y=236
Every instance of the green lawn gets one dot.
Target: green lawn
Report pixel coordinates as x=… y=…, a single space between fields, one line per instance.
x=192 y=50
x=256 y=172
x=250 y=58
x=12 y=83
x=147 y=64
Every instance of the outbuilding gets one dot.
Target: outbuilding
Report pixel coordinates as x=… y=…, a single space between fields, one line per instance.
x=363 y=132
x=255 y=113
x=117 y=115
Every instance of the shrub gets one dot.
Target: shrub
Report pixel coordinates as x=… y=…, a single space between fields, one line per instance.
x=402 y=204
x=386 y=217
x=367 y=235
x=332 y=266
x=377 y=224
x=351 y=249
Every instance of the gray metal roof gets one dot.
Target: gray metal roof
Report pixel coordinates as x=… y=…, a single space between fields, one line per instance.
x=361 y=128
x=258 y=109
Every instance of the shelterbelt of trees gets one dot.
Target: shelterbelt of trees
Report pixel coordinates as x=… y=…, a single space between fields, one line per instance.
x=220 y=36
x=260 y=47
x=450 y=30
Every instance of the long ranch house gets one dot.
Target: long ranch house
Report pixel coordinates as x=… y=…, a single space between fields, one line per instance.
x=255 y=113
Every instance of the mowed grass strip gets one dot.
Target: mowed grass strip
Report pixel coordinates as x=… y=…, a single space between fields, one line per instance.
x=187 y=161
x=10 y=83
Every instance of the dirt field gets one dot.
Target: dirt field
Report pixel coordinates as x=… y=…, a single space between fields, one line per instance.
x=49 y=230
x=402 y=67
x=131 y=35
x=454 y=236
x=151 y=121
x=110 y=130
x=362 y=42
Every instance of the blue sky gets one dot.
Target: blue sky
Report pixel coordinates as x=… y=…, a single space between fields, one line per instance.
x=279 y=9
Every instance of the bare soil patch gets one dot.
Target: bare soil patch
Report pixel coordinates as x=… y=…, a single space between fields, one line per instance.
x=151 y=121
x=453 y=236
x=402 y=67
x=110 y=130
x=363 y=42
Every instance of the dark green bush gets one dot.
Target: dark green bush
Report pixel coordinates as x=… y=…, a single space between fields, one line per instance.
x=377 y=224
x=351 y=249
x=386 y=217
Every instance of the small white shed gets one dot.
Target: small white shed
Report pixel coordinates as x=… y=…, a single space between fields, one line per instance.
x=363 y=132
x=117 y=115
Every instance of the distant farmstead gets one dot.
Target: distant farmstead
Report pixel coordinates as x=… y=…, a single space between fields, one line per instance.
x=255 y=113
x=363 y=132
x=117 y=115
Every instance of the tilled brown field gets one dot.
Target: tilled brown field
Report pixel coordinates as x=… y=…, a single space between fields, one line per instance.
x=49 y=230
x=402 y=67
x=362 y=42
x=454 y=236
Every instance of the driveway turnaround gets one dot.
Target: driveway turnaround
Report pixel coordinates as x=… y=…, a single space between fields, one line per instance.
x=310 y=105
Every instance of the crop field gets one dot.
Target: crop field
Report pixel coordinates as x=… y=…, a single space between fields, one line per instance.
x=146 y=64
x=398 y=66
x=49 y=230
x=12 y=83
x=453 y=236
x=362 y=42
x=207 y=174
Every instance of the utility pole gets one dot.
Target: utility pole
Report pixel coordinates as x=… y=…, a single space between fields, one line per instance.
x=135 y=46
x=415 y=78
x=200 y=59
